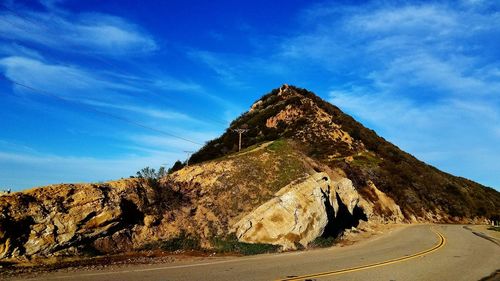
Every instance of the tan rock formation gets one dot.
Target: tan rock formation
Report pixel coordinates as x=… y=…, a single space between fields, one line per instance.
x=296 y=215
x=286 y=115
x=299 y=212
x=347 y=194
x=380 y=207
x=58 y=218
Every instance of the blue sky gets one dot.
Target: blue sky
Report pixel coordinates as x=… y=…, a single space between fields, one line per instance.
x=424 y=75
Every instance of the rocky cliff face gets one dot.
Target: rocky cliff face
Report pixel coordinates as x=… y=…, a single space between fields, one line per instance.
x=69 y=219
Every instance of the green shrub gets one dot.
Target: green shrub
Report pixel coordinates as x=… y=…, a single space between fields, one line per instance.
x=277 y=145
x=230 y=244
x=181 y=242
x=323 y=242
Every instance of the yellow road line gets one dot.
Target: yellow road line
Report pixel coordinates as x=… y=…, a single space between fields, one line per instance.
x=440 y=244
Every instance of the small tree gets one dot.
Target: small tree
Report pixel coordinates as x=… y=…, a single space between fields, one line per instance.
x=151 y=175
x=147 y=173
x=161 y=172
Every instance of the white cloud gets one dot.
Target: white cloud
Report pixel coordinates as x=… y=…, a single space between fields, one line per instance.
x=14 y=49
x=72 y=80
x=419 y=19
x=95 y=89
x=143 y=150
x=427 y=71
x=85 y=33
x=65 y=80
x=453 y=135
x=424 y=70
x=428 y=78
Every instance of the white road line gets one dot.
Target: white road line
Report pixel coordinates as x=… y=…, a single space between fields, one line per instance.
x=164 y=267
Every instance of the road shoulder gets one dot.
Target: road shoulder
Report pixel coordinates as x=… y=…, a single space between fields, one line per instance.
x=483 y=232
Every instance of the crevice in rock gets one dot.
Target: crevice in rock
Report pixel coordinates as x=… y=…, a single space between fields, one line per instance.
x=246 y=230
x=18 y=233
x=86 y=219
x=130 y=213
x=343 y=220
x=330 y=213
x=105 y=197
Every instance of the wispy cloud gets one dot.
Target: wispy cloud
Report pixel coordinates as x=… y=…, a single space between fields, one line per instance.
x=170 y=84
x=15 y=49
x=236 y=70
x=226 y=71
x=128 y=96
x=49 y=169
x=87 y=32
x=65 y=80
x=143 y=150
x=423 y=75
x=171 y=143
x=100 y=61
x=457 y=136
x=146 y=110
x=100 y=88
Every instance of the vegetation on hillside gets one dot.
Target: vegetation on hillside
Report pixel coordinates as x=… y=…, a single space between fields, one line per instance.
x=227 y=244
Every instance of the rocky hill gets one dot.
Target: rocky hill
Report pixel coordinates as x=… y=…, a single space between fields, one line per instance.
x=306 y=170
x=329 y=136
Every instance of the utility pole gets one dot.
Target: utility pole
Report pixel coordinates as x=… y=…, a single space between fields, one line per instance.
x=189 y=156
x=240 y=131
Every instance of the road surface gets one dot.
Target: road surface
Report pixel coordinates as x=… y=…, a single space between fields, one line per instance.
x=417 y=252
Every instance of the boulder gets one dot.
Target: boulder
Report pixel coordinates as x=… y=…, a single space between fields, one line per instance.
x=296 y=215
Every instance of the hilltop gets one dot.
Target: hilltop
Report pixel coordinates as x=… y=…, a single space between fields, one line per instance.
x=331 y=137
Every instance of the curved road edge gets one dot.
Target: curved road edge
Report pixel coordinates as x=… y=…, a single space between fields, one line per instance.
x=483 y=235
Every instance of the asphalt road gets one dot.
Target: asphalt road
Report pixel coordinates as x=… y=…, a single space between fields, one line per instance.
x=417 y=252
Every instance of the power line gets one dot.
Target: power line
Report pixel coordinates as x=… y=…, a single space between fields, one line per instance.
x=118 y=117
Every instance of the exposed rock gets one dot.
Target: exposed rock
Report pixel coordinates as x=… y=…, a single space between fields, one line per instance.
x=380 y=207
x=56 y=218
x=296 y=215
x=255 y=106
x=286 y=115
x=347 y=193
x=302 y=211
